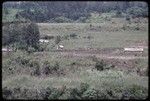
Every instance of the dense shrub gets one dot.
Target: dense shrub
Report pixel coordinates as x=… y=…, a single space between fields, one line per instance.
x=45 y=93
x=56 y=66
x=7 y=93
x=118 y=14
x=24 y=34
x=56 y=93
x=57 y=39
x=128 y=18
x=46 y=68
x=135 y=92
x=83 y=87
x=35 y=67
x=137 y=27
x=82 y=19
x=74 y=94
x=100 y=65
x=66 y=37
x=90 y=94
x=31 y=49
x=22 y=60
x=137 y=12
x=47 y=37
x=89 y=37
x=73 y=35
x=94 y=58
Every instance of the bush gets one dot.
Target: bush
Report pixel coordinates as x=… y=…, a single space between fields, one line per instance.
x=83 y=87
x=42 y=47
x=55 y=94
x=46 y=68
x=24 y=34
x=137 y=12
x=22 y=60
x=128 y=18
x=124 y=27
x=35 y=67
x=94 y=58
x=103 y=94
x=118 y=14
x=45 y=93
x=100 y=65
x=57 y=39
x=135 y=92
x=76 y=93
x=31 y=49
x=66 y=37
x=82 y=19
x=137 y=27
x=6 y=93
x=73 y=35
x=47 y=37
x=56 y=66
x=90 y=94
x=89 y=37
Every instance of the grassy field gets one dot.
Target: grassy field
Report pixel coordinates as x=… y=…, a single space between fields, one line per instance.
x=76 y=62
x=100 y=35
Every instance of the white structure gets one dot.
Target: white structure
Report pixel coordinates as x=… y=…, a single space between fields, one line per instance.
x=134 y=49
x=6 y=50
x=60 y=47
x=43 y=40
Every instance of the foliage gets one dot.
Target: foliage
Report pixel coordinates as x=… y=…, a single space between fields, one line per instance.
x=31 y=49
x=55 y=94
x=26 y=35
x=135 y=92
x=57 y=39
x=61 y=19
x=73 y=11
x=90 y=94
x=137 y=12
x=118 y=14
x=47 y=68
x=47 y=37
x=100 y=65
x=73 y=35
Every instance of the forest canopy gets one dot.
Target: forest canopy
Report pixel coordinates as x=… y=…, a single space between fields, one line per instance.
x=72 y=11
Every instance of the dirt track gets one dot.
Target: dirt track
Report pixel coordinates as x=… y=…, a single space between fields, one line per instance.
x=104 y=53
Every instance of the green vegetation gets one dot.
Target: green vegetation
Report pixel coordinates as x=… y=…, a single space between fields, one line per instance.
x=23 y=34
x=91 y=65
x=56 y=12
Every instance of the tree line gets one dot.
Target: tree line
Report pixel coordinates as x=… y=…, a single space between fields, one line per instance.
x=45 y=11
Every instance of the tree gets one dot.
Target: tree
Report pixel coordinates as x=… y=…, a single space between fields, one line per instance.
x=137 y=12
x=25 y=34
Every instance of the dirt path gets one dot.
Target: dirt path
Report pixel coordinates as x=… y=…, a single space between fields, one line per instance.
x=105 y=54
